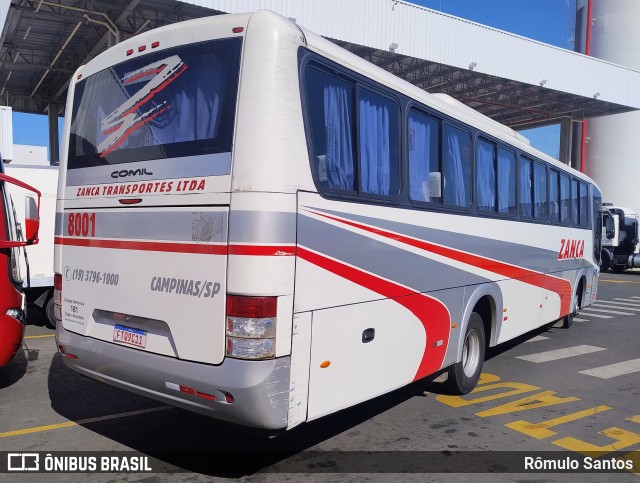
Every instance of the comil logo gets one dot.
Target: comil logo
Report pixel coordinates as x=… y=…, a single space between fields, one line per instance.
x=131 y=172
x=23 y=462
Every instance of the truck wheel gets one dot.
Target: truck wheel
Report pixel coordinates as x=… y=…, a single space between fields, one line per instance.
x=605 y=261
x=463 y=376
x=50 y=313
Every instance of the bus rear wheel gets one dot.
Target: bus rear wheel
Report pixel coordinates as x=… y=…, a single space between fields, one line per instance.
x=567 y=320
x=463 y=376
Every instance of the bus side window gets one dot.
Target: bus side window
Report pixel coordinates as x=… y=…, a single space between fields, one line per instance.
x=506 y=182
x=331 y=116
x=554 y=196
x=584 y=204
x=378 y=144
x=575 y=220
x=565 y=199
x=540 y=198
x=424 y=163
x=456 y=167
x=526 y=185
x=486 y=175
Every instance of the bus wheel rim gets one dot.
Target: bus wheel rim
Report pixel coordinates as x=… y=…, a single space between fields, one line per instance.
x=471 y=353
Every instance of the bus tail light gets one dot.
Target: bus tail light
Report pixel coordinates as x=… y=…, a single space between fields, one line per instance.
x=57 y=297
x=251 y=327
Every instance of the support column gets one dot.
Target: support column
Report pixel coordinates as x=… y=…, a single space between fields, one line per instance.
x=54 y=146
x=566 y=135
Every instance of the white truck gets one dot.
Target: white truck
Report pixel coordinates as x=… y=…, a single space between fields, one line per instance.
x=619 y=238
x=37 y=265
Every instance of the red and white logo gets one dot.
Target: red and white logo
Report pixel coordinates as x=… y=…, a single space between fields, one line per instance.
x=570 y=249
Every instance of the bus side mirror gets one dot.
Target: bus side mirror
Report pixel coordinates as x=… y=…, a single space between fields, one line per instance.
x=610 y=228
x=31 y=220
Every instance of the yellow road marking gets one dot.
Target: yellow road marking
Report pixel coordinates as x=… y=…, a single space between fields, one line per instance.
x=51 y=427
x=617 y=281
x=39 y=336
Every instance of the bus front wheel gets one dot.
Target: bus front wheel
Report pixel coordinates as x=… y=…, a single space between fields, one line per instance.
x=463 y=376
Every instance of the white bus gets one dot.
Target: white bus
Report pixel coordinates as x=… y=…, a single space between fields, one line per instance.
x=257 y=225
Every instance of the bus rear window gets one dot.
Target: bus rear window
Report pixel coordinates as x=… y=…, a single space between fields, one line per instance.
x=174 y=102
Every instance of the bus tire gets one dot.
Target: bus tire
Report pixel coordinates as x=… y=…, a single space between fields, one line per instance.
x=605 y=261
x=463 y=376
x=49 y=311
x=567 y=320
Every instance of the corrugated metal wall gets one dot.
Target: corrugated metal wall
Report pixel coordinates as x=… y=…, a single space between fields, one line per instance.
x=434 y=36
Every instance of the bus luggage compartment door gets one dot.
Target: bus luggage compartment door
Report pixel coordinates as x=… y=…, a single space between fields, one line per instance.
x=153 y=279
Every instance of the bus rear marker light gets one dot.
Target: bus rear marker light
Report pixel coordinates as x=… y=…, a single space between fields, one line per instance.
x=130 y=201
x=325 y=364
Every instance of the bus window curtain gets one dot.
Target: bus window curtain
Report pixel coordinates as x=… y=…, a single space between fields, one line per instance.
x=454 y=188
x=339 y=157
x=540 y=191
x=419 y=149
x=505 y=177
x=574 y=203
x=199 y=102
x=375 y=153
x=525 y=188
x=486 y=176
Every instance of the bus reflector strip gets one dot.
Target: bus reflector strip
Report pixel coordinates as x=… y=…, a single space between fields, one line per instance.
x=191 y=391
x=204 y=395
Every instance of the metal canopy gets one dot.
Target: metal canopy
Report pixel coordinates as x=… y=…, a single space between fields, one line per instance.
x=516 y=104
x=44 y=41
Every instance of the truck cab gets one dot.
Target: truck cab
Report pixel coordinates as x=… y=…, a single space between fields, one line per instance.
x=619 y=238
x=15 y=234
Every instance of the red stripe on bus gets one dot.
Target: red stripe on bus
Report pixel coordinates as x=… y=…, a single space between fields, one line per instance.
x=547 y=282
x=432 y=313
x=262 y=250
x=250 y=250
x=170 y=247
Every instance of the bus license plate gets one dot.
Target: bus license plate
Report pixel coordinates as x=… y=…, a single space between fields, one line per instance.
x=128 y=335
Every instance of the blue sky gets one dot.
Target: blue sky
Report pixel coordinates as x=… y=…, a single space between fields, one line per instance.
x=543 y=20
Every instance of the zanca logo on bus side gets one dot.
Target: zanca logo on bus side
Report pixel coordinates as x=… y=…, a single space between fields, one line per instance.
x=571 y=249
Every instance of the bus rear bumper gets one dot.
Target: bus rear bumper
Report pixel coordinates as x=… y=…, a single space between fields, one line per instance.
x=260 y=389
